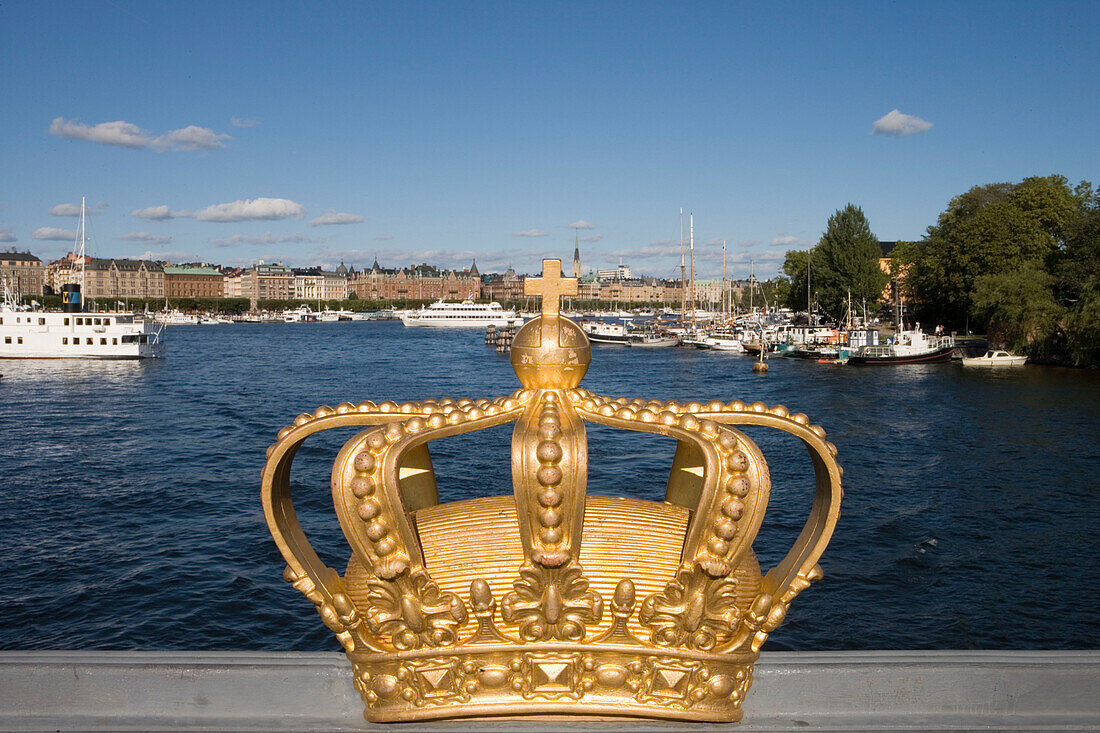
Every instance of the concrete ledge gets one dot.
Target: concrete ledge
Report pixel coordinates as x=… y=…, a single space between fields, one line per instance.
x=251 y=691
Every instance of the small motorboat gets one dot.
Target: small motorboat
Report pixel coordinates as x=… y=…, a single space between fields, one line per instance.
x=995 y=358
x=649 y=340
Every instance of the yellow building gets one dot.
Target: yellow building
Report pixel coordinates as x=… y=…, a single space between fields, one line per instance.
x=23 y=272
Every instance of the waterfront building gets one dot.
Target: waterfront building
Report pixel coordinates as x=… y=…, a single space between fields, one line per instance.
x=63 y=271
x=118 y=278
x=619 y=272
x=418 y=282
x=315 y=284
x=267 y=282
x=193 y=281
x=231 y=283
x=589 y=287
x=506 y=287
x=23 y=272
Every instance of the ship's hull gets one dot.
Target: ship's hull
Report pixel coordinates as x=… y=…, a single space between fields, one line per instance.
x=455 y=323
x=619 y=340
x=932 y=357
x=52 y=335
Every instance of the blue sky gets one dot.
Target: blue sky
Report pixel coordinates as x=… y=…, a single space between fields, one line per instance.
x=316 y=133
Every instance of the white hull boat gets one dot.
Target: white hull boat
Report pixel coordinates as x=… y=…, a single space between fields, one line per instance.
x=466 y=314
x=995 y=358
x=652 y=341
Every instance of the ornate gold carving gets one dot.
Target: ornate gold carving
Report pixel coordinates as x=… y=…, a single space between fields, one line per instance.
x=685 y=652
x=551 y=603
x=695 y=611
x=411 y=612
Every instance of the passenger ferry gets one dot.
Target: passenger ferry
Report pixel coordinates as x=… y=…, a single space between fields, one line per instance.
x=72 y=334
x=466 y=314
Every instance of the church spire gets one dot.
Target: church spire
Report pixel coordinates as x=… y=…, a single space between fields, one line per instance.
x=576 y=255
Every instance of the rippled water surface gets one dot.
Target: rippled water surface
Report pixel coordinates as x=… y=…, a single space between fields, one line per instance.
x=131 y=518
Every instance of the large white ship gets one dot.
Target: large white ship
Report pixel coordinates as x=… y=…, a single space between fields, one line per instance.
x=72 y=333
x=31 y=334
x=466 y=314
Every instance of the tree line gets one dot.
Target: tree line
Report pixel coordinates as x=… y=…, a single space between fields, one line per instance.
x=1020 y=261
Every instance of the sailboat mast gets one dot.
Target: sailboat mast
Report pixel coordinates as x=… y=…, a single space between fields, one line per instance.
x=752 y=283
x=725 y=299
x=683 y=282
x=691 y=224
x=82 y=243
x=809 y=304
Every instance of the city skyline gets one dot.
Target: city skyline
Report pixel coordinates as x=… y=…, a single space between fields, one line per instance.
x=446 y=133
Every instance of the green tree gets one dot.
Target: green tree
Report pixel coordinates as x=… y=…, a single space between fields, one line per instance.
x=846 y=260
x=990 y=230
x=794 y=267
x=1020 y=308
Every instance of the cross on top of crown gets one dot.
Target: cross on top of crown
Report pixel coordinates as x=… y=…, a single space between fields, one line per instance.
x=551 y=286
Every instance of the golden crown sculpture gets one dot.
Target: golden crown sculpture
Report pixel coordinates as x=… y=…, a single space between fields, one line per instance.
x=551 y=601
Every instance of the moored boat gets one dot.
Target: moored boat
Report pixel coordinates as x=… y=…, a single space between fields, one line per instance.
x=600 y=332
x=74 y=334
x=907 y=347
x=995 y=358
x=651 y=340
x=466 y=314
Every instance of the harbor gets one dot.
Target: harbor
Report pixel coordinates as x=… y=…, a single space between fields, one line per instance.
x=141 y=531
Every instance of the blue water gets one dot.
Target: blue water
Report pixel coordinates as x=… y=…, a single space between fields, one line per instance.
x=131 y=518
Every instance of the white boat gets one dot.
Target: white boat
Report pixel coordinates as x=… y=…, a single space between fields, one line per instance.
x=995 y=358
x=599 y=332
x=907 y=347
x=176 y=318
x=301 y=314
x=76 y=335
x=466 y=314
x=73 y=333
x=649 y=340
x=724 y=342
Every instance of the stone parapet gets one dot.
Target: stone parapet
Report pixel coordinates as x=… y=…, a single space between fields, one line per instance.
x=281 y=691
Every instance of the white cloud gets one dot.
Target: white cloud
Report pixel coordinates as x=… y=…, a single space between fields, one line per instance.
x=661 y=242
x=145 y=237
x=191 y=137
x=118 y=133
x=156 y=213
x=530 y=233
x=592 y=238
x=717 y=241
x=747 y=243
x=251 y=210
x=124 y=134
x=54 y=234
x=244 y=122
x=787 y=240
x=898 y=124
x=264 y=239
x=335 y=217
x=168 y=256
x=581 y=224
x=646 y=252
x=74 y=209
x=7 y=236
x=384 y=237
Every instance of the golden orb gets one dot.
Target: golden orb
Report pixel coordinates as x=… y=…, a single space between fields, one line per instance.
x=551 y=352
